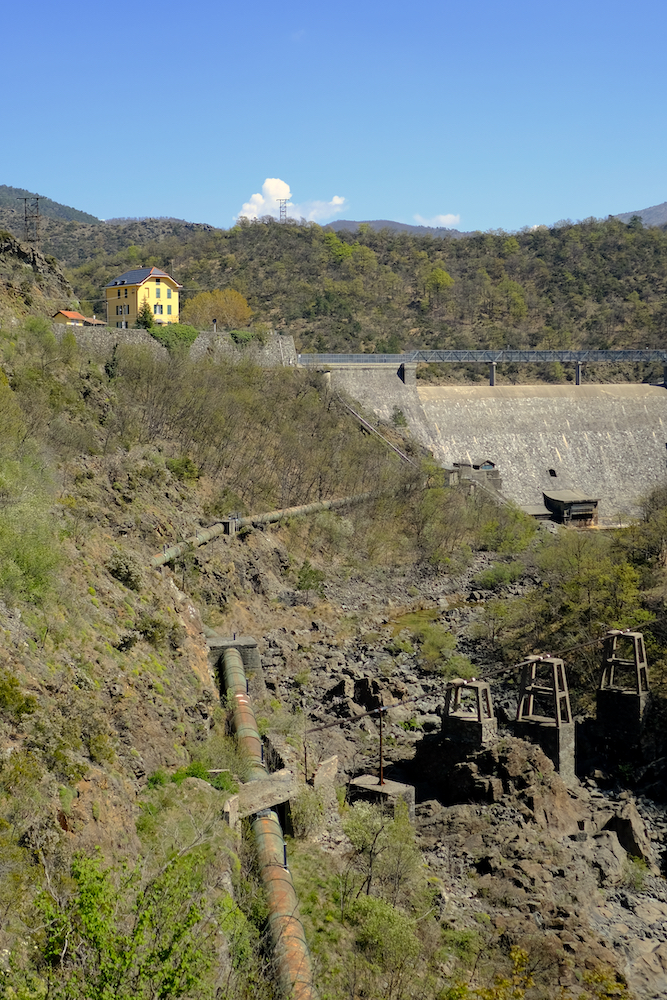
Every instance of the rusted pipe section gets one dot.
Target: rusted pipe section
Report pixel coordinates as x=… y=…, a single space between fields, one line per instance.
x=291 y=951
x=292 y=957
x=202 y=537
x=245 y=725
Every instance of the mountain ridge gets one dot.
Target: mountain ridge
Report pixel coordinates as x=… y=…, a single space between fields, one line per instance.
x=11 y=196
x=398 y=227
x=656 y=215
x=11 y=210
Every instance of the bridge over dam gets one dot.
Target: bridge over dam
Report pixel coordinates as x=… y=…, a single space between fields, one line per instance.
x=607 y=440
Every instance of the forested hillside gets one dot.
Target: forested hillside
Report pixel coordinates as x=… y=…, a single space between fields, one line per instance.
x=594 y=284
x=12 y=203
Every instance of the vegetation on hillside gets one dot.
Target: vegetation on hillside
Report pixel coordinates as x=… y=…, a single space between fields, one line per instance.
x=12 y=202
x=109 y=727
x=595 y=284
x=102 y=461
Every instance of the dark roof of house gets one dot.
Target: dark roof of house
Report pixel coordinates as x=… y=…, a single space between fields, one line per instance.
x=570 y=496
x=138 y=275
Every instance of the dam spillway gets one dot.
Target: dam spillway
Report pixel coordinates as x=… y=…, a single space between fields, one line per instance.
x=608 y=440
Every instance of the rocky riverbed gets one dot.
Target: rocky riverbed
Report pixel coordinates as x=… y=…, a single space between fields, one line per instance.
x=574 y=874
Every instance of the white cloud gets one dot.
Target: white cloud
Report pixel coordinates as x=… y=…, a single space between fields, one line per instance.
x=266 y=203
x=314 y=211
x=273 y=190
x=446 y=221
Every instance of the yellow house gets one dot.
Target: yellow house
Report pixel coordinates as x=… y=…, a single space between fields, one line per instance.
x=127 y=294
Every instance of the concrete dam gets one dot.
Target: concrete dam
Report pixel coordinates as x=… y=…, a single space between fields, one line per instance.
x=607 y=440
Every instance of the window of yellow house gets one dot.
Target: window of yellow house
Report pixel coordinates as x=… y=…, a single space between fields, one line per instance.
x=126 y=293
x=169 y=293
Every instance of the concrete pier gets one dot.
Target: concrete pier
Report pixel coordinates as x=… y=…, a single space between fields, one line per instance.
x=544 y=715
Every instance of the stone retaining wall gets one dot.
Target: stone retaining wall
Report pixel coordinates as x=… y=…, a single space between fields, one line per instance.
x=99 y=341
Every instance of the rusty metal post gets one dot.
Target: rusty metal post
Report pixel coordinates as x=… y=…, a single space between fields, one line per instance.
x=492 y=373
x=577 y=377
x=381 y=749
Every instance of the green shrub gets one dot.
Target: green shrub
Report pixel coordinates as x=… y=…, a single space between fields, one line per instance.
x=194 y=770
x=183 y=468
x=153 y=629
x=507 y=530
x=457 y=665
x=436 y=643
x=175 y=336
x=158 y=778
x=242 y=337
x=498 y=576
x=411 y=725
x=306 y=811
x=223 y=782
x=125 y=568
x=635 y=871
x=145 y=317
x=13 y=703
x=310 y=578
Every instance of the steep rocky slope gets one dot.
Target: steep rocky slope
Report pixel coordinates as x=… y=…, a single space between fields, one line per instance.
x=29 y=279
x=111 y=719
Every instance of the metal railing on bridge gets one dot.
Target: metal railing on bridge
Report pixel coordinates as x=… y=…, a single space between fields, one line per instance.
x=493 y=357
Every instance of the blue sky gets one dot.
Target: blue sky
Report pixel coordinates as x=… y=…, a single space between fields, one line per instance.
x=483 y=114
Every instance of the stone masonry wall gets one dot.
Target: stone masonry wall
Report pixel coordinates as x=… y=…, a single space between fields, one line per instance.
x=99 y=341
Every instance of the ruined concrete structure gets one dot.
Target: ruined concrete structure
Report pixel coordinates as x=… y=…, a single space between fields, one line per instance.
x=468 y=716
x=387 y=794
x=544 y=715
x=623 y=691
